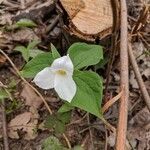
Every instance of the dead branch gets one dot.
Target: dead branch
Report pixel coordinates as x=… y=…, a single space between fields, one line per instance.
x=114 y=37
x=138 y=77
x=5 y=136
x=123 y=109
x=4 y=122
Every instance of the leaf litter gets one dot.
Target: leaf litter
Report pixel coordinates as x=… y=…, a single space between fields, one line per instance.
x=24 y=123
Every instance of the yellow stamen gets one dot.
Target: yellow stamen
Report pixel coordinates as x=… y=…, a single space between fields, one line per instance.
x=61 y=72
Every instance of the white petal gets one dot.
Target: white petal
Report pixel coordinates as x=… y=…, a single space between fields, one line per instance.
x=63 y=63
x=45 y=79
x=65 y=87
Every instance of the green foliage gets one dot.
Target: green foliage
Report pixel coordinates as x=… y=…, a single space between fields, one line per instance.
x=89 y=92
x=3 y=94
x=101 y=64
x=83 y=54
x=25 y=23
x=12 y=106
x=37 y=64
x=65 y=107
x=55 y=53
x=30 y=51
x=78 y=148
x=58 y=121
x=89 y=84
x=52 y=143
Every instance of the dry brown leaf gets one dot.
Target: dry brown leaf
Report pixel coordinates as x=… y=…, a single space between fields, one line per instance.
x=139 y=130
x=25 y=34
x=31 y=98
x=19 y=122
x=5 y=19
x=26 y=122
x=141 y=118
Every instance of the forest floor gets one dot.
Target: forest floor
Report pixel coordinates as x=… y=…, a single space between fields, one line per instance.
x=83 y=129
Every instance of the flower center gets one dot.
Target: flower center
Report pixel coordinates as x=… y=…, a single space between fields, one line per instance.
x=61 y=72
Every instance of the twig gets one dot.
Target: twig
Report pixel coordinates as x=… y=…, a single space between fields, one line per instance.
x=67 y=141
x=123 y=109
x=111 y=102
x=106 y=141
x=138 y=77
x=90 y=132
x=5 y=136
x=37 y=92
x=114 y=37
x=51 y=26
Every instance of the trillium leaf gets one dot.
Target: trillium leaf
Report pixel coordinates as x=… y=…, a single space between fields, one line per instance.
x=89 y=92
x=83 y=54
x=36 y=64
x=65 y=107
x=55 y=53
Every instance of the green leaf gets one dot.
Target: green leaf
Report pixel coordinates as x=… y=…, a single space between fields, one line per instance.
x=37 y=64
x=83 y=54
x=89 y=92
x=24 y=51
x=35 y=52
x=55 y=53
x=58 y=121
x=65 y=108
x=101 y=64
x=52 y=143
x=59 y=127
x=3 y=94
x=25 y=23
x=51 y=121
x=78 y=148
x=32 y=44
x=64 y=117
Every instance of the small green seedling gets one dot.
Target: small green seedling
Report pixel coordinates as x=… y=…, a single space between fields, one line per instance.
x=30 y=51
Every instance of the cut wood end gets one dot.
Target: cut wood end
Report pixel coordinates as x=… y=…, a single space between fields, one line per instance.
x=89 y=17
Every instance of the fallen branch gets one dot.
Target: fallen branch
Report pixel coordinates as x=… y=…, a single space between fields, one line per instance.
x=138 y=77
x=123 y=109
x=4 y=122
x=5 y=136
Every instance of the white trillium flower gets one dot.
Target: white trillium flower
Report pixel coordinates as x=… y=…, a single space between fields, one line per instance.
x=58 y=76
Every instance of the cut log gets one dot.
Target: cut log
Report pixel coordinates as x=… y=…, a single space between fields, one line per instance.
x=89 y=18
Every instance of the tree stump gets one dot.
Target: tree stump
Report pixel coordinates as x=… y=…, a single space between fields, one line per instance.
x=89 y=18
